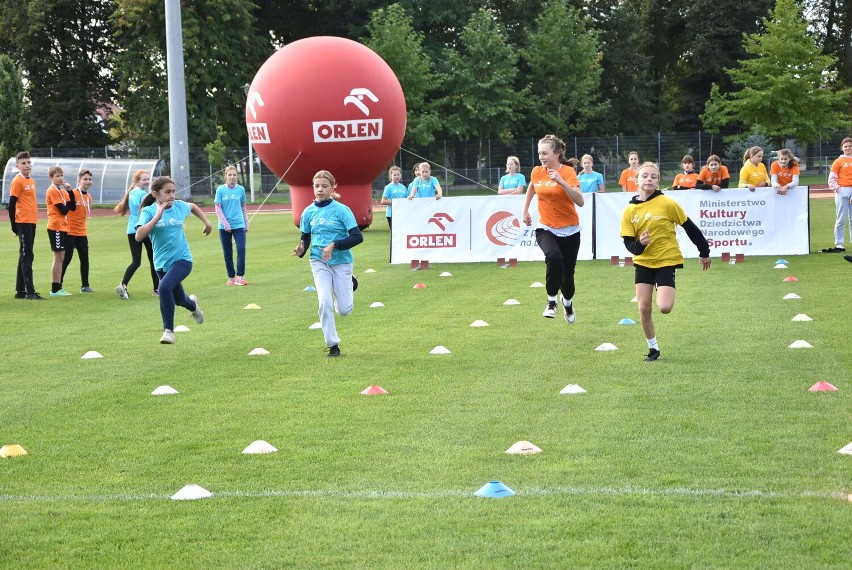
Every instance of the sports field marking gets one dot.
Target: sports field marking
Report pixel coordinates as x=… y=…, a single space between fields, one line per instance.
x=455 y=493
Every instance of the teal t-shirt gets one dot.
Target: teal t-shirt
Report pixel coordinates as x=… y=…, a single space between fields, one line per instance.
x=134 y=201
x=392 y=192
x=426 y=188
x=326 y=224
x=169 y=241
x=512 y=181
x=232 y=201
x=589 y=181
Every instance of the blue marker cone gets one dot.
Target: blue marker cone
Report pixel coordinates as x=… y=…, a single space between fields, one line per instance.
x=784 y=261
x=494 y=490
x=627 y=322
x=309 y=288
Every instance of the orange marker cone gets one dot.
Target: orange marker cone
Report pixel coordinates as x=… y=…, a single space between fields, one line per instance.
x=822 y=387
x=374 y=391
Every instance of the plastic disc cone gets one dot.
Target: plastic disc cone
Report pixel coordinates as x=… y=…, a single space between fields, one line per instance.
x=12 y=450
x=440 y=350
x=258 y=352
x=512 y=302
x=606 y=346
x=573 y=389
x=627 y=322
x=92 y=354
x=537 y=284
x=479 y=323
x=801 y=344
x=191 y=492
x=822 y=387
x=252 y=306
x=523 y=448
x=790 y=279
x=163 y=391
x=374 y=391
x=369 y=271
x=419 y=286
x=789 y=296
x=309 y=288
x=494 y=490
x=181 y=328
x=259 y=447
x=376 y=305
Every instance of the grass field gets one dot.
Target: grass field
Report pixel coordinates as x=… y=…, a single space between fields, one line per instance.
x=716 y=456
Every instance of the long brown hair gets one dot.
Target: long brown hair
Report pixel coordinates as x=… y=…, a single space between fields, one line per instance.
x=122 y=208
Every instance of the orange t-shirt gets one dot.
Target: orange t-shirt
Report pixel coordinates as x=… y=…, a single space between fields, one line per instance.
x=842 y=167
x=77 y=217
x=685 y=180
x=707 y=176
x=628 y=180
x=555 y=208
x=785 y=175
x=56 y=220
x=26 y=210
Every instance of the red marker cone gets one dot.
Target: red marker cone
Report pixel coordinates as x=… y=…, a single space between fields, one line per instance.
x=822 y=387
x=419 y=286
x=790 y=279
x=374 y=391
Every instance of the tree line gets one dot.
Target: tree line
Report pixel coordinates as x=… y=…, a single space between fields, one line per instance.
x=91 y=73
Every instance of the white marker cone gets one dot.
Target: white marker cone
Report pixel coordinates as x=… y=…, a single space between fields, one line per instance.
x=315 y=326
x=92 y=354
x=369 y=271
x=479 y=323
x=258 y=352
x=252 y=306
x=607 y=346
x=191 y=492
x=181 y=328
x=572 y=389
x=791 y=296
x=512 y=302
x=846 y=449
x=376 y=305
x=259 y=447
x=445 y=274
x=634 y=300
x=523 y=448
x=780 y=266
x=801 y=317
x=440 y=350
x=537 y=284
x=163 y=391
x=800 y=344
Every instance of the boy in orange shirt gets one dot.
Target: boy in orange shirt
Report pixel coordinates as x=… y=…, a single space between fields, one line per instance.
x=77 y=234
x=23 y=214
x=59 y=200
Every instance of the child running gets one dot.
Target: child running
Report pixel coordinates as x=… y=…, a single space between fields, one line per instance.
x=77 y=235
x=233 y=225
x=161 y=219
x=330 y=231
x=648 y=231
x=558 y=231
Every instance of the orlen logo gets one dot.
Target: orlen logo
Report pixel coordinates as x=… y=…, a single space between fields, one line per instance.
x=440 y=219
x=258 y=132
x=348 y=131
x=503 y=228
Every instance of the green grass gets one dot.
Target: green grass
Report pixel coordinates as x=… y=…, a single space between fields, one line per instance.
x=715 y=456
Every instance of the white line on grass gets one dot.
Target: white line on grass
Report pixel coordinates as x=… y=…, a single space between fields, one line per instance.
x=436 y=494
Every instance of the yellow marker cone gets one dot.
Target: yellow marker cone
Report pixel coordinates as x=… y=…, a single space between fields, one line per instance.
x=12 y=450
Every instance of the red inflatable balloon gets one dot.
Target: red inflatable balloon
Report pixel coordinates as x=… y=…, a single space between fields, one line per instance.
x=327 y=103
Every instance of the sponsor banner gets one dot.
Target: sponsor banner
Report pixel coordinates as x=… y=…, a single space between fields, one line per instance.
x=470 y=228
x=733 y=220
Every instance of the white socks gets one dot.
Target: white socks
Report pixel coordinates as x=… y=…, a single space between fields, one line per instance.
x=652 y=343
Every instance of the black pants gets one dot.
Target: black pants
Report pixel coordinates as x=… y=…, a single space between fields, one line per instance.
x=136 y=259
x=81 y=244
x=26 y=237
x=560 y=258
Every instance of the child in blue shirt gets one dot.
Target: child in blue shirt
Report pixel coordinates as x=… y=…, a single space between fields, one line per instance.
x=590 y=181
x=393 y=190
x=329 y=230
x=233 y=224
x=426 y=185
x=513 y=182
x=161 y=219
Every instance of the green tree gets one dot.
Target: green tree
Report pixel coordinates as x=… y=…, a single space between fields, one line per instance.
x=62 y=47
x=392 y=36
x=14 y=136
x=480 y=79
x=222 y=51
x=785 y=84
x=564 y=62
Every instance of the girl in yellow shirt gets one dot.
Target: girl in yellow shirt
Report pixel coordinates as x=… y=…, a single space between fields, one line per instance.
x=753 y=174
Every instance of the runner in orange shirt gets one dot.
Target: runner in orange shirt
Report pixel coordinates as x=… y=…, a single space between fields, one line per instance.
x=23 y=214
x=77 y=235
x=558 y=230
x=59 y=200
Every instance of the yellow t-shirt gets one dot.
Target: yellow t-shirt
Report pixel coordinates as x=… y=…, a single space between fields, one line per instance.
x=754 y=175
x=659 y=215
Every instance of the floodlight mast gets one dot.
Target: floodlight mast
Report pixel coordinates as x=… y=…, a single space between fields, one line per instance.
x=178 y=135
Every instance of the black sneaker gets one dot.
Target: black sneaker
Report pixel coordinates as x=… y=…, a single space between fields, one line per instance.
x=848 y=258
x=354 y=284
x=653 y=355
x=550 y=310
x=834 y=249
x=34 y=297
x=333 y=351
x=20 y=295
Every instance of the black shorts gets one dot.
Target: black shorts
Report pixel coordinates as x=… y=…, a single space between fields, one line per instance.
x=659 y=276
x=58 y=240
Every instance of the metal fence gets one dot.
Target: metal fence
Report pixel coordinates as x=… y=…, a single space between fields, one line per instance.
x=460 y=168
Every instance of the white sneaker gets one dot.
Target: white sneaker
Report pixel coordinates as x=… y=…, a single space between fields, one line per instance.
x=121 y=290
x=570 y=315
x=168 y=337
x=197 y=314
x=550 y=310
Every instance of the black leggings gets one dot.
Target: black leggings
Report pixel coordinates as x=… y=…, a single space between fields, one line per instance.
x=136 y=256
x=81 y=244
x=560 y=258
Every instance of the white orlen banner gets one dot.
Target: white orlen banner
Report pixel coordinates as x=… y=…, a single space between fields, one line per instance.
x=470 y=228
x=733 y=221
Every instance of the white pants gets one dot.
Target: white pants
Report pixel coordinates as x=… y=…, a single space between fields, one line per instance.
x=842 y=208
x=334 y=290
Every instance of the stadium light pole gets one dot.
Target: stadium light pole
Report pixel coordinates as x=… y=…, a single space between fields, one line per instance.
x=246 y=88
x=178 y=135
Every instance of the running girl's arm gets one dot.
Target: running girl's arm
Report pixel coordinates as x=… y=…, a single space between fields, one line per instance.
x=633 y=245
x=145 y=229
x=696 y=237
x=573 y=192
x=304 y=244
x=222 y=219
x=196 y=211
x=527 y=200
